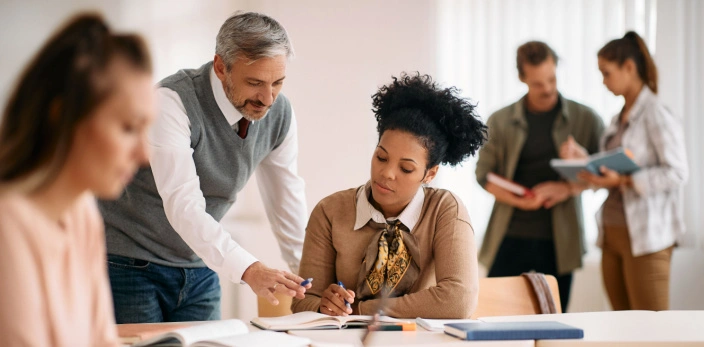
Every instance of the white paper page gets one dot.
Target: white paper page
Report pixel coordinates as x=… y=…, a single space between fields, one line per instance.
x=204 y=331
x=256 y=339
x=302 y=319
x=439 y=324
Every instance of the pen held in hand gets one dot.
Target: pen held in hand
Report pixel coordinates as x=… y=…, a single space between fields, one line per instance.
x=339 y=283
x=305 y=283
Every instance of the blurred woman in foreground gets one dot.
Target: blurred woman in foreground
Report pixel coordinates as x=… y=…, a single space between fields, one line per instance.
x=74 y=128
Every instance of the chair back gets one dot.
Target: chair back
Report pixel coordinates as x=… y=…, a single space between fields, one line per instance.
x=266 y=309
x=511 y=296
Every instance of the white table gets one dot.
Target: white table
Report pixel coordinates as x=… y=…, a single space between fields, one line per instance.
x=613 y=328
x=421 y=337
x=621 y=328
x=624 y=328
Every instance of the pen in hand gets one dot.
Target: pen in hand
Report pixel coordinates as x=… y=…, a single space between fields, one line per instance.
x=305 y=283
x=339 y=283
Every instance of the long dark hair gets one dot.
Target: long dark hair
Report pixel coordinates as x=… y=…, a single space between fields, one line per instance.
x=631 y=46
x=60 y=88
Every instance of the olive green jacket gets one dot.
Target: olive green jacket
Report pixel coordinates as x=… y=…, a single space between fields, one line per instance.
x=508 y=130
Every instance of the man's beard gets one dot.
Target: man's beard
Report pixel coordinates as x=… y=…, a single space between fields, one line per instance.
x=240 y=105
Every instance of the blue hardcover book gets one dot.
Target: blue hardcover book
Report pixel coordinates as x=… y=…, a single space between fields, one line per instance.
x=615 y=159
x=513 y=331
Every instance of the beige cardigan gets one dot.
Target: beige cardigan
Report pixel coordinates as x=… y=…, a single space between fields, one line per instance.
x=447 y=286
x=54 y=288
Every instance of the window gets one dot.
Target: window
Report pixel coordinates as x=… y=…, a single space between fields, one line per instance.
x=477 y=42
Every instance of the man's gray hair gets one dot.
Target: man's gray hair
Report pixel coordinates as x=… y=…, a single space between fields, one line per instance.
x=253 y=36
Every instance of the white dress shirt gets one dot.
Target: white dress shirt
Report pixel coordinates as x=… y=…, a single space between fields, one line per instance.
x=365 y=211
x=281 y=189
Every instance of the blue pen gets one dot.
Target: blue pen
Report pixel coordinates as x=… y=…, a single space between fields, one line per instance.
x=339 y=283
x=305 y=283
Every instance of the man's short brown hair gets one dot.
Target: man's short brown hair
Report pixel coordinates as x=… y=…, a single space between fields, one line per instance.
x=533 y=53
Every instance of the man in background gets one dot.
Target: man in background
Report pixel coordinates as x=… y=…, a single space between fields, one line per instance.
x=218 y=124
x=543 y=232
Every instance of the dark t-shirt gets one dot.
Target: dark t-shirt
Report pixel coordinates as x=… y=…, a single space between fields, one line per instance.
x=534 y=168
x=614 y=212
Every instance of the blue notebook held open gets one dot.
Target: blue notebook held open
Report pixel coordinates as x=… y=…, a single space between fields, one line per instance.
x=615 y=159
x=513 y=331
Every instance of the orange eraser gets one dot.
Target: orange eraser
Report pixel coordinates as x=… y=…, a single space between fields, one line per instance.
x=409 y=326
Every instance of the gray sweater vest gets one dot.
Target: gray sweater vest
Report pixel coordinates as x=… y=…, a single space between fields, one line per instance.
x=136 y=224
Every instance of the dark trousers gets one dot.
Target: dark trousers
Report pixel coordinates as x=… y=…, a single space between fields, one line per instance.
x=145 y=292
x=519 y=255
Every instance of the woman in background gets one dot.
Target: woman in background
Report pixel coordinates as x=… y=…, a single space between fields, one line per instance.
x=393 y=237
x=74 y=128
x=642 y=217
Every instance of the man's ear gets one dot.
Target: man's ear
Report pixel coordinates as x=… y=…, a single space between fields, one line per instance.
x=219 y=68
x=432 y=172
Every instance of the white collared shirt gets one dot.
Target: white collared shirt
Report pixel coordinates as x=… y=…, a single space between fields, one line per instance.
x=365 y=211
x=281 y=189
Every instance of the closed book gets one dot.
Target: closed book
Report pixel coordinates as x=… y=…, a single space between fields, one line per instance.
x=618 y=160
x=509 y=185
x=513 y=331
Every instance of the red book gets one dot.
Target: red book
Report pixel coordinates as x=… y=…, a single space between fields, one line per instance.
x=511 y=186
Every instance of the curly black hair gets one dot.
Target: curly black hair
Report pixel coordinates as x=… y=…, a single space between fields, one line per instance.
x=446 y=124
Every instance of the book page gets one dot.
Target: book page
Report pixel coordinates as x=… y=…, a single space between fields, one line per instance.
x=369 y=319
x=355 y=318
x=257 y=338
x=313 y=320
x=300 y=320
x=200 y=332
x=439 y=324
x=131 y=333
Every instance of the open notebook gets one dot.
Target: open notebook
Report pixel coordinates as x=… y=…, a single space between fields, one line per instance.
x=224 y=333
x=314 y=320
x=618 y=159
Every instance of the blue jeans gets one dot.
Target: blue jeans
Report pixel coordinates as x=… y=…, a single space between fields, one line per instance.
x=145 y=292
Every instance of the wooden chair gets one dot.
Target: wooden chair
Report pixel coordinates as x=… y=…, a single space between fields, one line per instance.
x=268 y=310
x=509 y=296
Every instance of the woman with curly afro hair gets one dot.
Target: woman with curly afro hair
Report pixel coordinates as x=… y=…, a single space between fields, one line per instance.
x=394 y=237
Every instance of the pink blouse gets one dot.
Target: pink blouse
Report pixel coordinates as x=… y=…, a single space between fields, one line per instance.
x=54 y=287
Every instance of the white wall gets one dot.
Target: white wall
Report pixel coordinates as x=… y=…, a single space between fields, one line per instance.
x=344 y=51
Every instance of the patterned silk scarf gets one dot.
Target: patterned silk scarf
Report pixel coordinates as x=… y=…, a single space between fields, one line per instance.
x=391 y=262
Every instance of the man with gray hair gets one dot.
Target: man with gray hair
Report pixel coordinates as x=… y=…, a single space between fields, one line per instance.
x=218 y=125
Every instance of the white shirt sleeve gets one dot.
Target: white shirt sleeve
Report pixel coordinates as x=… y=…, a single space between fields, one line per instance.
x=179 y=187
x=283 y=193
